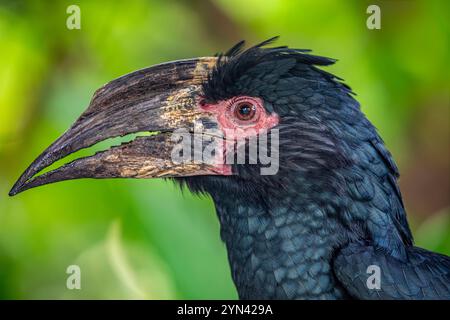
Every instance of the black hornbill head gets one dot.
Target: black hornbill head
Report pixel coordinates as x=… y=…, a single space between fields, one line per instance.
x=229 y=98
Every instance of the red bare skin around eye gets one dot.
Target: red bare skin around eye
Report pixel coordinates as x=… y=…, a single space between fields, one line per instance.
x=235 y=129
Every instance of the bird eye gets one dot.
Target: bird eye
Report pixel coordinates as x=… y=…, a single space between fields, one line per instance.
x=245 y=111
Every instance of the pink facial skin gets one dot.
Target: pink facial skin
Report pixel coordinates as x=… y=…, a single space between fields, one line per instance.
x=235 y=128
x=223 y=170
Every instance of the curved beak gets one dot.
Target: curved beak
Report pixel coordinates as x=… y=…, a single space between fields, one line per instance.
x=159 y=100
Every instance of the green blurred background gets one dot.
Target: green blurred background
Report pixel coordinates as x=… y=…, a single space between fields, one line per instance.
x=147 y=239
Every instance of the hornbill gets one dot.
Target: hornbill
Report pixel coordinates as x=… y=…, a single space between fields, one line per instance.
x=315 y=228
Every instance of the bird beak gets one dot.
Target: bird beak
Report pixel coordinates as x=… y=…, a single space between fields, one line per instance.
x=159 y=100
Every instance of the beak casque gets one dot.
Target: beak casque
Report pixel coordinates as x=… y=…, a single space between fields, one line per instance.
x=158 y=99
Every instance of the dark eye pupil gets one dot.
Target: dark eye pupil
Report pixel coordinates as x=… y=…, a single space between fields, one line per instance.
x=245 y=109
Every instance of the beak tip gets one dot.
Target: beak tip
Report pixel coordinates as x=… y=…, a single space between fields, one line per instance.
x=21 y=183
x=18 y=187
x=15 y=189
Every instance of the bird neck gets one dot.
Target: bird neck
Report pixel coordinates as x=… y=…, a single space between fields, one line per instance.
x=281 y=252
